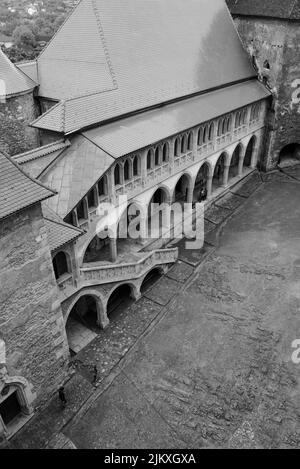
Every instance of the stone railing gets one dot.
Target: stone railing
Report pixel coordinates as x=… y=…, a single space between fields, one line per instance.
x=65 y=281
x=118 y=272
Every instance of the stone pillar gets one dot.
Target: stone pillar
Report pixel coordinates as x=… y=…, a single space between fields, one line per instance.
x=225 y=175
x=241 y=162
x=113 y=249
x=209 y=186
x=102 y=319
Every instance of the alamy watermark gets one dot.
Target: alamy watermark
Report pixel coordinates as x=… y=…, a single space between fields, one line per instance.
x=296 y=353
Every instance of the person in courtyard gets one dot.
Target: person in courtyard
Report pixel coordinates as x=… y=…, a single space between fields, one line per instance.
x=62 y=396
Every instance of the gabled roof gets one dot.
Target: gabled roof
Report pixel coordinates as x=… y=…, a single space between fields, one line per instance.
x=133 y=133
x=12 y=80
x=30 y=69
x=17 y=189
x=284 y=9
x=74 y=173
x=37 y=160
x=59 y=233
x=115 y=57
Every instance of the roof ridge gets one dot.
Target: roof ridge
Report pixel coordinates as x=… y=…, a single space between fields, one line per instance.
x=63 y=223
x=49 y=145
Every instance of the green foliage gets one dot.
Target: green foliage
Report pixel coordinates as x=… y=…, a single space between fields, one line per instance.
x=29 y=30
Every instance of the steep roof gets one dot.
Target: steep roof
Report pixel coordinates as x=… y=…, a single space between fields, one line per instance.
x=287 y=9
x=74 y=173
x=59 y=233
x=17 y=189
x=12 y=80
x=113 y=57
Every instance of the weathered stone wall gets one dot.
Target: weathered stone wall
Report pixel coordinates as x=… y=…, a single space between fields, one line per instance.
x=16 y=113
x=31 y=321
x=277 y=42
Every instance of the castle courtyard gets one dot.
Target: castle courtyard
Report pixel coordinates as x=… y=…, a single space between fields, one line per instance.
x=210 y=364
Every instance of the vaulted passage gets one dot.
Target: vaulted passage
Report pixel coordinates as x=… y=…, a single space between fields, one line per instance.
x=10 y=409
x=82 y=323
x=182 y=190
x=200 y=189
x=290 y=155
x=249 y=153
x=151 y=278
x=118 y=301
x=234 y=163
x=218 y=178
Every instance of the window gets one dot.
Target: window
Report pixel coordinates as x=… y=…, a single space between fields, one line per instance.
x=199 y=140
x=224 y=126
x=149 y=159
x=92 y=199
x=102 y=186
x=81 y=210
x=126 y=171
x=237 y=119
x=183 y=144
x=60 y=264
x=136 y=166
x=166 y=153
x=204 y=139
x=157 y=156
x=229 y=122
x=220 y=126
x=176 y=147
x=211 y=131
x=117 y=175
x=190 y=141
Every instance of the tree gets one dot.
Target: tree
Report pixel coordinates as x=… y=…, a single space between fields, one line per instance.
x=23 y=37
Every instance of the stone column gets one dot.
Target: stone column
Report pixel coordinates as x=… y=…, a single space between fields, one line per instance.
x=113 y=249
x=241 y=161
x=102 y=319
x=209 y=186
x=225 y=175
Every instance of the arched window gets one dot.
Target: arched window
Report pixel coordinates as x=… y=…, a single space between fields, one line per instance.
x=126 y=170
x=177 y=147
x=149 y=159
x=92 y=199
x=190 y=141
x=183 y=144
x=224 y=126
x=229 y=122
x=205 y=134
x=102 y=186
x=166 y=153
x=60 y=264
x=157 y=156
x=136 y=166
x=211 y=131
x=220 y=125
x=237 y=119
x=82 y=210
x=117 y=175
x=199 y=139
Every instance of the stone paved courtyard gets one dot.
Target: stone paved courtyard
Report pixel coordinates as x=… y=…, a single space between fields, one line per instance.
x=204 y=358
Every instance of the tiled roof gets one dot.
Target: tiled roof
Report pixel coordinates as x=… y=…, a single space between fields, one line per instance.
x=74 y=173
x=59 y=233
x=36 y=161
x=287 y=9
x=12 y=80
x=30 y=69
x=114 y=57
x=17 y=189
x=130 y=134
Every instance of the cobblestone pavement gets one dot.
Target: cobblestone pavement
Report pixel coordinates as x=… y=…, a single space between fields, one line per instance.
x=204 y=358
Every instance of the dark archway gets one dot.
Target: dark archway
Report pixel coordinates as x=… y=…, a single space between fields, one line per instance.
x=118 y=300
x=200 y=188
x=60 y=264
x=156 y=213
x=290 y=155
x=181 y=190
x=218 y=177
x=234 y=163
x=83 y=323
x=98 y=250
x=151 y=278
x=249 y=152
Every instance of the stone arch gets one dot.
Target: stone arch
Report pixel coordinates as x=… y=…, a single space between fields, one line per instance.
x=150 y=278
x=129 y=289
x=185 y=189
x=150 y=159
x=235 y=161
x=61 y=264
x=100 y=301
x=289 y=154
x=219 y=170
x=250 y=153
x=201 y=187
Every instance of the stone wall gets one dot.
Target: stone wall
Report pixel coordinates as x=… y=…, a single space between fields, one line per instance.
x=16 y=113
x=31 y=321
x=278 y=43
